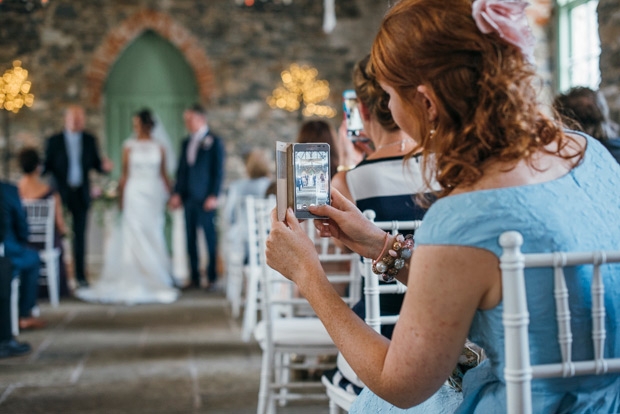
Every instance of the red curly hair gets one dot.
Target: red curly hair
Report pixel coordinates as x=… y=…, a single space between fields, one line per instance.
x=482 y=86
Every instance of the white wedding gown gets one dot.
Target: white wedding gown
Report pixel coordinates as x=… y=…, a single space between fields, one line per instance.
x=137 y=266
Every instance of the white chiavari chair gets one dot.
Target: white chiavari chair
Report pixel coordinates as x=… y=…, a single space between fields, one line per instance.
x=252 y=270
x=235 y=254
x=518 y=370
x=282 y=333
x=340 y=267
x=41 y=225
x=339 y=399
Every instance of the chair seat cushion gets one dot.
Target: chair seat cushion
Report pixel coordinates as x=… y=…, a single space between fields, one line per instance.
x=292 y=331
x=347 y=372
x=342 y=397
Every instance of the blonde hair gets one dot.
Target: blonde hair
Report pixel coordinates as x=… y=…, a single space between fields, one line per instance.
x=257 y=164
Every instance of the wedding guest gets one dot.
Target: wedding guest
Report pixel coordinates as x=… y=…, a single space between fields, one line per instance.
x=386 y=181
x=461 y=85
x=199 y=180
x=320 y=131
x=9 y=346
x=586 y=110
x=257 y=167
x=31 y=187
x=69 y=157
x=24 y=260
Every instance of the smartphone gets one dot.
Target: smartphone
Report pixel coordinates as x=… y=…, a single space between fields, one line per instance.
x=312 y=179
x=352 y=114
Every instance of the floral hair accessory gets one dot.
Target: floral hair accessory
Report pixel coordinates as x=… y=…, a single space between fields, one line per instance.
x=507 y=19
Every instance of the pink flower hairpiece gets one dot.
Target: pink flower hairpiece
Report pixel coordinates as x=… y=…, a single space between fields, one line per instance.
x=507 y=19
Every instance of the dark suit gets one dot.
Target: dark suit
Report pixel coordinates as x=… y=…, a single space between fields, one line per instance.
x=194 y=184
x=77 y=199
x=25 y=261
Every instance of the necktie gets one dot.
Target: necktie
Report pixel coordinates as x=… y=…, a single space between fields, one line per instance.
x=192 y=150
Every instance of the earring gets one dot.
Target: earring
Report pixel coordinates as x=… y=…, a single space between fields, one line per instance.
x=431 y=133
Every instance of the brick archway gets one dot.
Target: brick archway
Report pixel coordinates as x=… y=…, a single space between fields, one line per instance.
x=121 y=36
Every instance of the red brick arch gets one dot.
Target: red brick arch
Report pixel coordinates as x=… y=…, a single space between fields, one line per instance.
x=121 y=36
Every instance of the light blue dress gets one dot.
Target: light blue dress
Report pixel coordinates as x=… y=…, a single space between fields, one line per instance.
x=577 y=212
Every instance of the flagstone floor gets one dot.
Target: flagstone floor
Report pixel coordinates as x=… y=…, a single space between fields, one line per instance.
x=180 y=358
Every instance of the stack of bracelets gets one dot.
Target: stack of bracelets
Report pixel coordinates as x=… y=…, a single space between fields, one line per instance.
x=388 y=266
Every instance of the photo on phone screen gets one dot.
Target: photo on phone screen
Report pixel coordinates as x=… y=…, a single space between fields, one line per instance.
x=352 y=114
x=312 y=180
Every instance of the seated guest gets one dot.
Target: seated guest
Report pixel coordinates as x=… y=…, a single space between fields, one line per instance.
x=381 y=182
x=31 y=187
x=320 y=131
x=8 y=345
x=25 y=261
x=462 y=86
x=586 y=110
x=257 y=169
x=386 y=181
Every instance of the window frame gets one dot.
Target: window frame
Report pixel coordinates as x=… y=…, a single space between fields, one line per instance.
x=564 y=42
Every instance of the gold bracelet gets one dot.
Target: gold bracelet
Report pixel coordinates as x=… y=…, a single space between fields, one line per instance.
x=342 y=168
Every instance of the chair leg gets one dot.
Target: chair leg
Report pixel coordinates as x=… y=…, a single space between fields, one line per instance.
x=236 y=283
x=285 y=377
x=52 y=279
x=271 y=404
x=265 y=379
x=249 y=316
x=15 y=306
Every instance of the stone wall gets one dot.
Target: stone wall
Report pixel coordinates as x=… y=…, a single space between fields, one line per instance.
x=609 y=31
x=237 y=54
x=243 y=52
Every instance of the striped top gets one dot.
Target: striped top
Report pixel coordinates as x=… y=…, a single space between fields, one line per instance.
x=388 y=186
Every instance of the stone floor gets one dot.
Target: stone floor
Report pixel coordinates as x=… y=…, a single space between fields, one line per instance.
x=181 y=358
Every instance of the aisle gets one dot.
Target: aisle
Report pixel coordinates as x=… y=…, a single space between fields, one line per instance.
x=156 y=359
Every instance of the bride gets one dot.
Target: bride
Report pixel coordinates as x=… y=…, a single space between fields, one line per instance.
x=137 y=267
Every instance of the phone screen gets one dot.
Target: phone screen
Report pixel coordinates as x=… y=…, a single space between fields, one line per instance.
x=312 y=180
x=352 y=113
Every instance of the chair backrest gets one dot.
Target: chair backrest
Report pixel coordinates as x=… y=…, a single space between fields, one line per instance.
x=254 y=269
x=40 y=215
x=518 y=370
x=372 y=289
x=278 y=294
x=340 y=267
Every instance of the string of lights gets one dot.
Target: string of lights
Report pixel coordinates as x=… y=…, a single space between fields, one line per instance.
x=300 y=86
x=15 y=89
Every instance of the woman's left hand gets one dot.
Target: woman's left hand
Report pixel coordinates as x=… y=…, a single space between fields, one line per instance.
x=289 y=250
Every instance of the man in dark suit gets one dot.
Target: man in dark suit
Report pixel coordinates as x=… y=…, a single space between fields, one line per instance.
x=24 y=261
x=69 y=157
x=199 y=179
x=8 y=345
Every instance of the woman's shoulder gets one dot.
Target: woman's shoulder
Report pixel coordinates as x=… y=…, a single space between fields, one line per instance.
x=477 y=218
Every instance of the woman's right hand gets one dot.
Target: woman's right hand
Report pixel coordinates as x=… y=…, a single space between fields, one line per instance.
x=347 y=224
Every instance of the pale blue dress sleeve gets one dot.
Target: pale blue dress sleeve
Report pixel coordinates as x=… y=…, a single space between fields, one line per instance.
x=446 y=400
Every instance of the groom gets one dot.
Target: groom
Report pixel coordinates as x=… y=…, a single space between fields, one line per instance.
x=199 y=179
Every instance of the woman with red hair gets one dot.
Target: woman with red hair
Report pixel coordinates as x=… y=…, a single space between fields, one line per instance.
x=461 y=84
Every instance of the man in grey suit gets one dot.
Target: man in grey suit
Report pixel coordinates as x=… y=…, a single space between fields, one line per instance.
x=69 y=157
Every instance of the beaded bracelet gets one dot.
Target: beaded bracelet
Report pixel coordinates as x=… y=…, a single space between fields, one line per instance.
x=387 y=266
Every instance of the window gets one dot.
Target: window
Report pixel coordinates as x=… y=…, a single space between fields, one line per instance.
x=579 y=45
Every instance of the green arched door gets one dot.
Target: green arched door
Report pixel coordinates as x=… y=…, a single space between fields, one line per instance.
x=151 y=73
